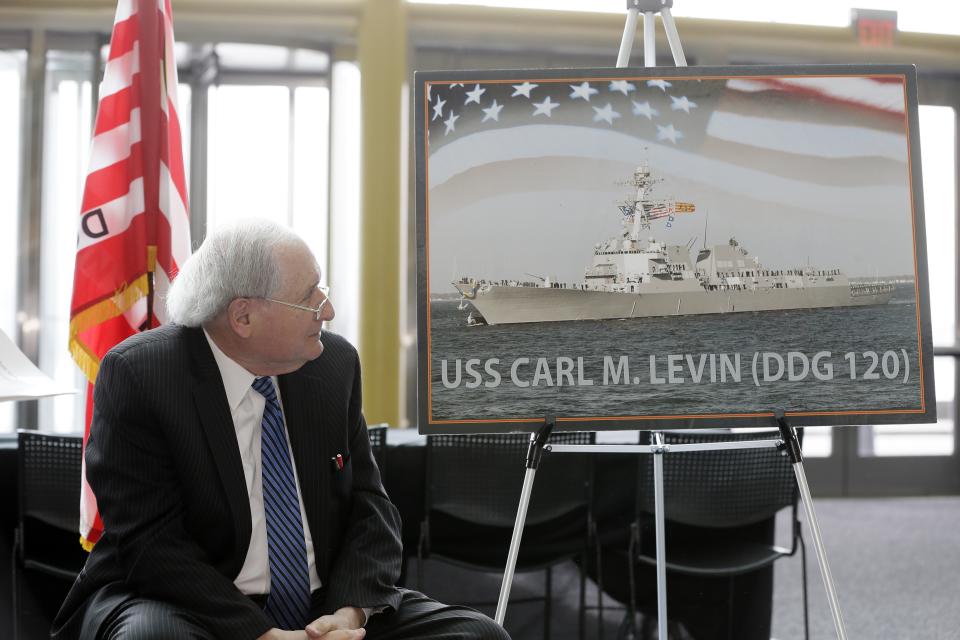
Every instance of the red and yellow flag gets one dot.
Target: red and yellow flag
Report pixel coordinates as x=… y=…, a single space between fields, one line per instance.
x=134 y=229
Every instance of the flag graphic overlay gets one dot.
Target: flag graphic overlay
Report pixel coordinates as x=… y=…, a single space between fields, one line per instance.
x=790 y=152
x=134 y=227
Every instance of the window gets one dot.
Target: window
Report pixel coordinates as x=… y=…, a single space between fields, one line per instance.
x=268 y=158
x=12 y=67
x=68 y=119
x=938 y=158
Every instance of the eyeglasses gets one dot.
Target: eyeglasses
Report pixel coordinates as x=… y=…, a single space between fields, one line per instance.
x=318 y=311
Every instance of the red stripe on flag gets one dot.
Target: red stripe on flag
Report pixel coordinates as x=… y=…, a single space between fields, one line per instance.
x=112 y=182
x=165 y=259
x=114 y=110
x=172 y=154
x=109 y=264
x=123 y=36
x=822 y=96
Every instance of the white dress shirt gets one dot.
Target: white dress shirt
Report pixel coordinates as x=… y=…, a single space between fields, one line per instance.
x=246 y=409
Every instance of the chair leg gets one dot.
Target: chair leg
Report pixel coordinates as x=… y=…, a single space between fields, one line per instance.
x=632 y=578
x=731 y=591
x=599 y=561
x=583 y=595
x=15 y=593
x=548 y=604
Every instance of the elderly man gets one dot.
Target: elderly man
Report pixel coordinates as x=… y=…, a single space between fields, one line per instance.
x=231 y=464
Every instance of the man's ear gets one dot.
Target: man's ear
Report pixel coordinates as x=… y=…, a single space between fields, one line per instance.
x=238 y=316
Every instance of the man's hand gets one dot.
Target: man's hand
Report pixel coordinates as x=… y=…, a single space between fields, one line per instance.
x=280 y=634
x=342 y=624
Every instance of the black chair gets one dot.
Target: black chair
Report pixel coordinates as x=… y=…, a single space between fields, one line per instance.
x=46 y=539
x=720 y=508
x=378 y=445
x=473 y=486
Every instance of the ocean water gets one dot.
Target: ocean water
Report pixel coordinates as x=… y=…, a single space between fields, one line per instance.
x=711 y=364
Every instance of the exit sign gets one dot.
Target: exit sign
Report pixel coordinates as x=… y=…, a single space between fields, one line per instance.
x=874 y=28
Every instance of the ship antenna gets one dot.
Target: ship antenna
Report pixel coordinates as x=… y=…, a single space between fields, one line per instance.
x=706 y=218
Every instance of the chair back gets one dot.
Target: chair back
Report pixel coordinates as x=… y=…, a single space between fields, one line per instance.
x=479 y=478
x=721 y=488
x=48 y=469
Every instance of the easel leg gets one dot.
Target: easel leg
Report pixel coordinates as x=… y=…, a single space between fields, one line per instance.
x=534 y=453
x=789 y=436
x=626 y=42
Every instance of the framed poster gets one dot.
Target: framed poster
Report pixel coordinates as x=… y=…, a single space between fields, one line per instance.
x=669 y=248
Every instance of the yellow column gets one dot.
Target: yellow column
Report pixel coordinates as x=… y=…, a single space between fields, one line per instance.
x=382 y=48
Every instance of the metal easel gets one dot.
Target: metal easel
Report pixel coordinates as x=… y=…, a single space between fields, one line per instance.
x=788 y=436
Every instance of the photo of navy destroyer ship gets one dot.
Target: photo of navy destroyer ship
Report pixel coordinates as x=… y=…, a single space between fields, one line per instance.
x=633 y=275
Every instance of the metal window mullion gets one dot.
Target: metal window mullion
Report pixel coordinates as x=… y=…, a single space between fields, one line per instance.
x=202 y=74
x=31 y=190
x=291 y=151
x=955 y=94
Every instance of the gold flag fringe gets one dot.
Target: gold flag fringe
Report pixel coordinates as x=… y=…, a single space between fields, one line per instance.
x=86 y=544
x=106 y=309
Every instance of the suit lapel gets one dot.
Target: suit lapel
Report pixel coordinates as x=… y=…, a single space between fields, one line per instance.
x=217 y=424
x=302 y=408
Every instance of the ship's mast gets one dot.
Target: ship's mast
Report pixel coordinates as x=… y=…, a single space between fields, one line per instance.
x=642 y=182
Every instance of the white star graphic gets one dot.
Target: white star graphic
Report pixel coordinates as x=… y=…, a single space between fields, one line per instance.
x=622 y=86
x=668 y=133
x=438 y=109
x=545 y=107
x=492 y=112
x=523 y=89
x=607 y=114
x=474 y=96
x=456 y=84
x=659 y=84
x=682 y=104
x=582 y=90
x=429 y=92
x=450 y=122
x=644 y=109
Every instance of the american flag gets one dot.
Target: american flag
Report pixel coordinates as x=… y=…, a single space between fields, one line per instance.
x=823 y=144
x=134 y=228
x=773 y=124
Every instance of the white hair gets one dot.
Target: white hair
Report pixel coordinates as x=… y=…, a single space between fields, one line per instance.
x=233 y=262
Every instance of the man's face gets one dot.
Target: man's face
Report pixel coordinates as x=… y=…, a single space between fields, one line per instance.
x=285 y=338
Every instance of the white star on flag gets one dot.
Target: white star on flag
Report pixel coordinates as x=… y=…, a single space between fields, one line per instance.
x=438 y=108
x=474 y=96
x=668 y=133
x=450 y=122
x=607 y=114
x=622 y=86
x=492 y=112
x=682 y=104
x=582 y=90
x=545 y=107
x=644 y=109
x=523 y=89
x=659 y=84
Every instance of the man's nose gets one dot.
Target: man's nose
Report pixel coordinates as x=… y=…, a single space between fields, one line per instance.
x=328 y=312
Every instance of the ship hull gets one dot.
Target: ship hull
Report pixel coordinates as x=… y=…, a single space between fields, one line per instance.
x=504 y=304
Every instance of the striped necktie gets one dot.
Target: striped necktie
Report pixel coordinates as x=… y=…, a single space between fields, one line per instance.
x=289 y=599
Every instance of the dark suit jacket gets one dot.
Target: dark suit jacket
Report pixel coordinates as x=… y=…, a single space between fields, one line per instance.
x=163 y=461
